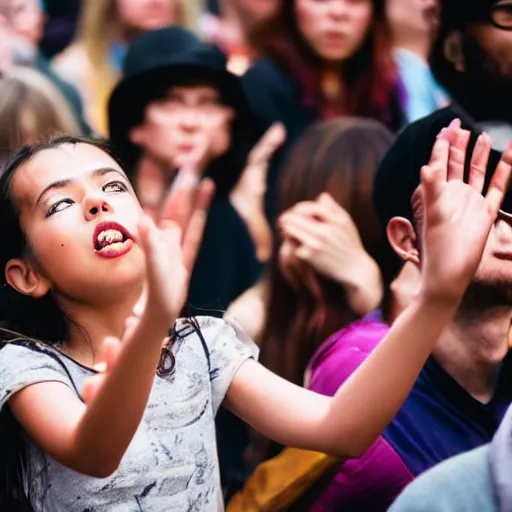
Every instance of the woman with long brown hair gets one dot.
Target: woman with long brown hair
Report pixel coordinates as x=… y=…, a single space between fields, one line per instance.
x=313 y=293
x=322 y=60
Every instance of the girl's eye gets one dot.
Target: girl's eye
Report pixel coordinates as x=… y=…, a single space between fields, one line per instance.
x=115 y=186
x=58 y=206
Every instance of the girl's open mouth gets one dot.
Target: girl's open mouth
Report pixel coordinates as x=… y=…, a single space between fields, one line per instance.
x=111 y=240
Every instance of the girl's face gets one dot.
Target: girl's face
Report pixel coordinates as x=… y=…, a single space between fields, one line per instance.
x=334 y=29
x=79 y=214
x=188 y=123
x=145 y=15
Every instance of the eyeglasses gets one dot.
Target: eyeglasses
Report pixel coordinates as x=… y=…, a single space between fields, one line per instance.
x=501 y=15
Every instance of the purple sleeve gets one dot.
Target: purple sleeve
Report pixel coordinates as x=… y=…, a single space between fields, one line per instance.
x=342 y=354
x=374 y=480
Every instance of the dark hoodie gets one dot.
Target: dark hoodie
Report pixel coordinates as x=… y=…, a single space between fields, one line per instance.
x=477 y=481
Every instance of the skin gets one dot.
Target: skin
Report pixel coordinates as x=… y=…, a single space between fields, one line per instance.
x=413 y=24
x=256 y=10
x=335 y=29
x=147 y=14
x=188 y=122
x=90 y=440
x=322 y=235
x=470 y=350
x=25 y=18
x=496 y=43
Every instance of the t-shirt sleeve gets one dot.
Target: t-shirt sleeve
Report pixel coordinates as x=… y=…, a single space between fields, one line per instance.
x=22 y=366
x=229 y=347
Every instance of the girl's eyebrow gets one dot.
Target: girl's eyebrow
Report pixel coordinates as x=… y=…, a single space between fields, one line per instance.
x=67 y=182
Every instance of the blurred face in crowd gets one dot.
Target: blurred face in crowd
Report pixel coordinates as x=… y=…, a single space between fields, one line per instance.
x=495 y=40
x=148 y=14
x=334 y=29
x=413 y=18
x=25 y=19
x=482 y=52
x=188 y=124
x=256 y=10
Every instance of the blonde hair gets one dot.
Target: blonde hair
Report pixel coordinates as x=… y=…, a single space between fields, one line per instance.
x=31 y=109
x=99 y=28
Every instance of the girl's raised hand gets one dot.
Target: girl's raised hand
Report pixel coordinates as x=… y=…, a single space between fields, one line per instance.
x=457 y=218
x=248 y=195
x=171 y=249
x=171 y=245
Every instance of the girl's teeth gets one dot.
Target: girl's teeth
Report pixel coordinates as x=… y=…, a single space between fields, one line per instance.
x=110 y=236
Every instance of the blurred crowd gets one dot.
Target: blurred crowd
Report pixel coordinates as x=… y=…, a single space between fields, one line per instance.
x=313 y=118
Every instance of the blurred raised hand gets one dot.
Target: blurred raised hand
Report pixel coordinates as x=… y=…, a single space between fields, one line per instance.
x=326 y=238
x=248 y=195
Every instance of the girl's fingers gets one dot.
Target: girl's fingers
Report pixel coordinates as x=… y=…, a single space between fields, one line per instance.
x=179 y=203
x=479 y=160
x=434 y=175
x=430 y=185
x=110 y=353
x=111 y=350
x=149 y=242
x=195 y=229
x=457 y=156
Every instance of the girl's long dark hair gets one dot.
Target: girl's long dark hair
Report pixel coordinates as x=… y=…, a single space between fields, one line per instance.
x=40 y=325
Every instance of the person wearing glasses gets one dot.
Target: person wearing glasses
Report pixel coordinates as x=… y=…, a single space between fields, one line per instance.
x=472 y=60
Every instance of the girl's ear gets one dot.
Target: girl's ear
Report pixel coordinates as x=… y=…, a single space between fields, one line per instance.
x=25 y=279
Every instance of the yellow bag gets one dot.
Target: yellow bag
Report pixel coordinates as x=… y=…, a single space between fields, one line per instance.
x=279 y=482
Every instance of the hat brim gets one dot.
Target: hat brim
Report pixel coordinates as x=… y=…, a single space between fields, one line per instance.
x=131 y=96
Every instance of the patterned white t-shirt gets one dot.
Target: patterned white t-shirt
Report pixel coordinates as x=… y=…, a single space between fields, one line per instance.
x=171 y=463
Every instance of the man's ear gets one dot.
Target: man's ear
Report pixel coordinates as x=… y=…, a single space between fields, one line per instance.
x=453 y=50
x=25 y=279
x=402 y=238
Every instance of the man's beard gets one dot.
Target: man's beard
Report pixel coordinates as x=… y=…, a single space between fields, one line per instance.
x=485 y=295
x=485 y=89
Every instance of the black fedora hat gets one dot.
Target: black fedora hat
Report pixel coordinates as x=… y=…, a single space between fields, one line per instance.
x=166 y=56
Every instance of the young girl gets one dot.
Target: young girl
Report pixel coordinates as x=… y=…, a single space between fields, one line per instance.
x=77 y=255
